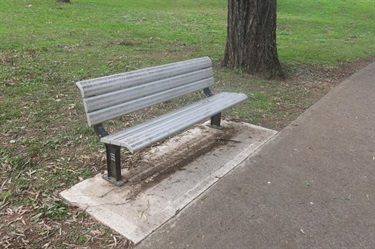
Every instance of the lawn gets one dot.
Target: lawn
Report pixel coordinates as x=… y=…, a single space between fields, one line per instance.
x=47 y=46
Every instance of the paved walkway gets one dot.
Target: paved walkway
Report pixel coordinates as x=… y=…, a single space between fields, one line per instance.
x=313 y=186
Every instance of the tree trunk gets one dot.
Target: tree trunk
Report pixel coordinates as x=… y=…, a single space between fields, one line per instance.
x=251 y=37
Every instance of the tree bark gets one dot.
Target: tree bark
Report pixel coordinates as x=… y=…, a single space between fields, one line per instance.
x=251 y=37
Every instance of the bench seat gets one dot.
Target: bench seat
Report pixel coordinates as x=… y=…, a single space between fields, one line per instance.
x=140 y=136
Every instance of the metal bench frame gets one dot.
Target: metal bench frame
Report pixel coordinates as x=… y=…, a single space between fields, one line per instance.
x=109 y=97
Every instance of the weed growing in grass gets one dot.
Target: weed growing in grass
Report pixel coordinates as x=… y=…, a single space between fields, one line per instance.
x=54 y=209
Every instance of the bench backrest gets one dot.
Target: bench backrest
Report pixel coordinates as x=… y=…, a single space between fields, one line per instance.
x=112 y=96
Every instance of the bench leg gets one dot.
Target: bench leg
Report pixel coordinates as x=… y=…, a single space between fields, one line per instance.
x=216 y=120
x=114 y=165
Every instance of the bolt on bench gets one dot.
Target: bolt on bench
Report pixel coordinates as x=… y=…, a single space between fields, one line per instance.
x=109 y=97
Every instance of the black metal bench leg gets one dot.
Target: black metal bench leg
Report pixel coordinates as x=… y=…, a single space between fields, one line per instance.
x=114 y=165
x=216 y=120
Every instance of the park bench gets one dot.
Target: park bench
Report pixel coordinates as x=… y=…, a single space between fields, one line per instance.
x=109 y=97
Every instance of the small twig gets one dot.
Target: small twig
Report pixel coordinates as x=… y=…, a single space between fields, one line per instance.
x=5 y=182
x=114 y=238
x=143 y=212
x=227 y=140
x=13 y=221
x=49 y=234
x=3 y=206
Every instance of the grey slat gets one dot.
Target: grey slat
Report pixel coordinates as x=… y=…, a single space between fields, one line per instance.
x=169 y=117
x=114 y=98
x=154 y=132
x=186 y=118
x=102 y=115
x=116 y=82
x=141 y=136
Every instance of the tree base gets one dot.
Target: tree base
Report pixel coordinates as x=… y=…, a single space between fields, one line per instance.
x=271 y=73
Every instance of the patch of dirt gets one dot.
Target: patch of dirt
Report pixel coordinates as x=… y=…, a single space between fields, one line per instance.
x=7 y=59
x=304 y=86
x=324 y=77
x=178 y=154
x=153 y=166
x=20 y=228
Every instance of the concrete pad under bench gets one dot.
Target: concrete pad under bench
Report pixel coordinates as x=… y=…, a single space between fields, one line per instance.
x=136 y=210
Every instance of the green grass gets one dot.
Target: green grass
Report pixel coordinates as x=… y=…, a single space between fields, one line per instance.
x=45 y=46
x=325 y=31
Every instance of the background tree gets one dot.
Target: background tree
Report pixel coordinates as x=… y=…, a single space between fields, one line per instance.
x=251 y=37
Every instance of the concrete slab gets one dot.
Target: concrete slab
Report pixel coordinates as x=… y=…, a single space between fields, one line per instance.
x=136 y=216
